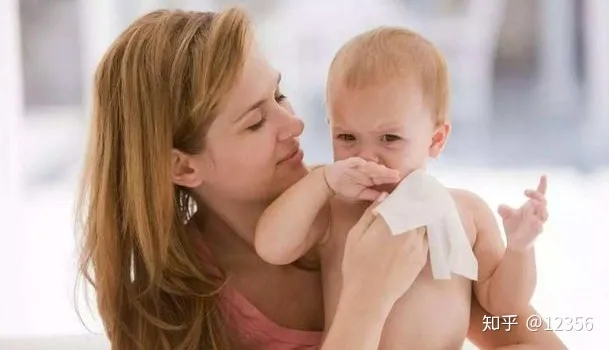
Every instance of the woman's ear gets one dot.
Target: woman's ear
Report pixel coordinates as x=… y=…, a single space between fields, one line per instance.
x=185 y=171
x=438 y=140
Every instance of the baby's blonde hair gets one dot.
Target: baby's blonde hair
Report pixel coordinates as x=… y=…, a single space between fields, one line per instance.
x=390 y=54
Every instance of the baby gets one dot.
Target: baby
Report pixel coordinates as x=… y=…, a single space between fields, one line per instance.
x=387 y=102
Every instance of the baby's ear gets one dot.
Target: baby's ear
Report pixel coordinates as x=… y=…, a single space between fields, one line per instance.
x=438 y=139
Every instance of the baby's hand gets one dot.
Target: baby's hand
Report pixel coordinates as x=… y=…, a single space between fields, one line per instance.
x=523 y=225
x=353 y=178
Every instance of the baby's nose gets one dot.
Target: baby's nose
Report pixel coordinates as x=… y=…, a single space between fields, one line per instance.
x=368 y=155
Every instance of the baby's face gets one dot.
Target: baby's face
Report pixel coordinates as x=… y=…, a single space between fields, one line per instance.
x=389 y=124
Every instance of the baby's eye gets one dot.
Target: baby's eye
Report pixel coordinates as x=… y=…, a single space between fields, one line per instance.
x=345 y=137
x=390 y=138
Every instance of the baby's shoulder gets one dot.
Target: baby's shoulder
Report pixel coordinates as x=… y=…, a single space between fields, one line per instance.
x=466 y=199
x=470 y=206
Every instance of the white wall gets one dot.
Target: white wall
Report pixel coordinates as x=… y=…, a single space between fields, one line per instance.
x=12 y=106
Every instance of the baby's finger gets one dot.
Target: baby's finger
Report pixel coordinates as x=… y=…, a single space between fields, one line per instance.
x=360 y=177
x=528 y=211
x=541 y=211
x=369 y=194
x=505 y=211
x=380 y=180
x=538 y=226
x=354 y=162
x=543 y=185
x=535 y=195
x=378 y=170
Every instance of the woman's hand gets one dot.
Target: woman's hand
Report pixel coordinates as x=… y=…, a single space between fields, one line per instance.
x=380 y=264
x=354 y=177
x=377 y=268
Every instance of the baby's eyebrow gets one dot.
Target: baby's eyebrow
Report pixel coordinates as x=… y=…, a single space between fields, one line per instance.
x=339 y=128
x=390 y=127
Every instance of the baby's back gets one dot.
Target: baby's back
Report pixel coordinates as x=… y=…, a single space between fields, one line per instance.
x=433 y=314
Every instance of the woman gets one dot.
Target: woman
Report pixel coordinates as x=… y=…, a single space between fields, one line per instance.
x=191 y=140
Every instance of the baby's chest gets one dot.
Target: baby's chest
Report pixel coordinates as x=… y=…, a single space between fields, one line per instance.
x=342 y=220
x=433 y=314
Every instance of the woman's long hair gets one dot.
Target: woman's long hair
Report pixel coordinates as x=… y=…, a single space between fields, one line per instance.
x=157 y=88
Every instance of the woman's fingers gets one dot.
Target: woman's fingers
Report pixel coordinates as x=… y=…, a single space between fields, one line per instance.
x=366 y=220
x=415 y=238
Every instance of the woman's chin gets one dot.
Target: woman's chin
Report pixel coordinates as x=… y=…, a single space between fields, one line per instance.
x=288 y=176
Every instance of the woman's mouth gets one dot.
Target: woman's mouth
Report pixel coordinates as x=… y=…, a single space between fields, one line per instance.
x=295 y=156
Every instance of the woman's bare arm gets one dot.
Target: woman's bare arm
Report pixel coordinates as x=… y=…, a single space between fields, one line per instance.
x=359 y=321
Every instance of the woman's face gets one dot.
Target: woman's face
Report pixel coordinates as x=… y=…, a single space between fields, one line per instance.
x=252 y=150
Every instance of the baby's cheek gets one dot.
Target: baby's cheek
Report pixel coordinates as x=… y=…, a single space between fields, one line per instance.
x=403 y=162
x=339 y=151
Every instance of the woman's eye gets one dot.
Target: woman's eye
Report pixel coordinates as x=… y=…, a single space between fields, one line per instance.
x=345 y=137
x=279 y=97
x=390 y=138
x=257 y=125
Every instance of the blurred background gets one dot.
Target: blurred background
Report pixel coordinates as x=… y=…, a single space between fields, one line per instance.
x=530 y=97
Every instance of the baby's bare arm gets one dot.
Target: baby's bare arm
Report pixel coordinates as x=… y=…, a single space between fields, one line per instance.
x=506 y=279
x=511 y=287
x=295 y=221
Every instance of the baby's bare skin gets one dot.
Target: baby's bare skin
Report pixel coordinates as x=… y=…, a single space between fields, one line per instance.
x=433 y=314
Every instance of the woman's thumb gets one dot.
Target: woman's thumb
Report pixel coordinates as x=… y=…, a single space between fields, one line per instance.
x=367 y=218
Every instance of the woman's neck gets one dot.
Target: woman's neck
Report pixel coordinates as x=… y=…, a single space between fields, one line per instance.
x=229 y=229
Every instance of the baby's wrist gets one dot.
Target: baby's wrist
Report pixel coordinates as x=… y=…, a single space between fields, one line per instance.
x=324 y=175
x=518 y=248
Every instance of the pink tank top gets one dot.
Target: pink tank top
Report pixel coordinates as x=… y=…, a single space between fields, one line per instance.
x=254 y=329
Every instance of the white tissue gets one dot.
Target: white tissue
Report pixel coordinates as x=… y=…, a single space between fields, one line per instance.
x=421 y=200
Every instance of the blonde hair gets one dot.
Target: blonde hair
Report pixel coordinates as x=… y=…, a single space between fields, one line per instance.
x=157 y=88
x=390 y=54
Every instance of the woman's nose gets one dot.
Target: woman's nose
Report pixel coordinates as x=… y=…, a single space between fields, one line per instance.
x=292 y=127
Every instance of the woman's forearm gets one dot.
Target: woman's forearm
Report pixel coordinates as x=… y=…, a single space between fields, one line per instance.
x=358 y=322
